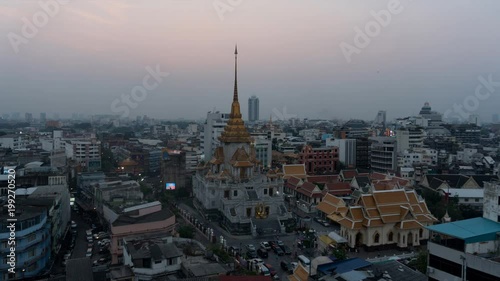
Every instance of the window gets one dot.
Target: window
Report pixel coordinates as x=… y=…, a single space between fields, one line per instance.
x=445 y=265
x=498 y=200
x=226 y=193
x=249 y=212
x=476 y=200
x=31 y=253
x=157 y=261
x=390 y=237
x=31 y=237
x=235 y=193
x=265 y=191
x=466 y=200
x=376 y=239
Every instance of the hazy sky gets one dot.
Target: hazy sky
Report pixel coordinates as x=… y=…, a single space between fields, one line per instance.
x=89 y=53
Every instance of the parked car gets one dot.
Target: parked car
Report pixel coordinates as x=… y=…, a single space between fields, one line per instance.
x=287 y=267
x=280 y=243
x=265 y=245
x=261 y=252
x=278 y=251
x=250 y=247
x=251 y=254
x=286 y=249
x=73 y=224
x=89 y=252
x=233 y=250
x=271 y=269
x=272 y=244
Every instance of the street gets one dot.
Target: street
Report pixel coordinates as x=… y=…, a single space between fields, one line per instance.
x=289 y=239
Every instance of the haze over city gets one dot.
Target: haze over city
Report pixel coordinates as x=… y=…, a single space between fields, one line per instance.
x=91 y=52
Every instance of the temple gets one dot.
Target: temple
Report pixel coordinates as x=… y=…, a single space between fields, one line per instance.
x=234 y=188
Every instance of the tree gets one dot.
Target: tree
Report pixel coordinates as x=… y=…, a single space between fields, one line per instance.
x=186 y=231
x=340 y=253
x=420 y=263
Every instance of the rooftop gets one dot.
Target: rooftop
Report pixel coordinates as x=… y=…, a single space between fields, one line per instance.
x=471 y=231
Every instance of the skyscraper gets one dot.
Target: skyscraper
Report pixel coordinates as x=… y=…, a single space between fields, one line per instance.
x=253 y=108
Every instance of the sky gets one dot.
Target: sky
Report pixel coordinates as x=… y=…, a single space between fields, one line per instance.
x=87 y=55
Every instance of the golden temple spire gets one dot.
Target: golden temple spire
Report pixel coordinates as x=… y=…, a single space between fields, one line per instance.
x=235 y=130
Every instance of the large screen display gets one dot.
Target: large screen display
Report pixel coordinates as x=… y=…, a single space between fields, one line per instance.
x=170 y=186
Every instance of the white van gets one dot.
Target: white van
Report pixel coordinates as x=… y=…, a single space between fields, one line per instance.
x=304 y=261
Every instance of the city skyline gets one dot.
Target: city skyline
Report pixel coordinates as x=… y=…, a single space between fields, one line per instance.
x=288 y=64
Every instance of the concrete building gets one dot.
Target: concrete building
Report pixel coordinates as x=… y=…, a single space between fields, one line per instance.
x=86 y=152
x=347 y=151
x=212 y=130
x=33 y=246
x=151 y=259
x=323 y=160
x=472 y=197
x=13 y=141
x=464 y=250
x=434 y=118
x=380 y=119
x=491 y=206
x=409 y=158
x=409 y=138
x=148 y=220
x=55 y=199
x=173 y=168
x=253 y=109
x=383 y=156
x=263 y=151
x=232 y=188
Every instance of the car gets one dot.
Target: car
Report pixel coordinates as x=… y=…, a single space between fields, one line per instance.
x=272 y=244
x=89 y=239
x=73 y=224
x=276 y=277
x=278 y=251
x=271 y=269
x=325 y=224
x=316 y=219
x=280 y=243
x=286 y=250
x=67 y=256
x=234 y=250
x=103 y=242
x=252 y=254
x=294 y=265
x=89 y=252
x=261 y=252
x=250 y=247
x=73 y=231
x=265 y=245
x=287 y=267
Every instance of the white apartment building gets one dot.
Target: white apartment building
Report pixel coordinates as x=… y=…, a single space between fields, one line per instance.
x=468 y=249
x=263 y=150
x=212 y=130
x=409 y=138
x=425 y=156
x=87 y=152
x=13 y=142
x=347 y=150
x=383 y=154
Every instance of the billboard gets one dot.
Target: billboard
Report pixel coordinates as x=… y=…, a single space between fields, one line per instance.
x=170 y=186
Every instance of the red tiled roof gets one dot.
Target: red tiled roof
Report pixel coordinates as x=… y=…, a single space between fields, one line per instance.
x=377 y=176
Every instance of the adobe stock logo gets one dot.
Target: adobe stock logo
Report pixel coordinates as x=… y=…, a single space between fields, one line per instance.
x=224 y=6
x=40 y=19
x=138 y=94
x=372 y=29
x=471 y=103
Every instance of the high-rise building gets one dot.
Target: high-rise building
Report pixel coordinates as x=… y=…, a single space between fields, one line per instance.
x=212 y=130
x=494 y=118
x=43 y=118
x=381 y=118
x=28 y=117
x=383 y=155
x=347 y=151
x=434 y=118
x=173 y=168
x=253 y=108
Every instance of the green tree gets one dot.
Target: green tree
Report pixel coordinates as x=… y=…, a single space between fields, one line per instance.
x=186 y=231
x=420 y=263
x=340 y=253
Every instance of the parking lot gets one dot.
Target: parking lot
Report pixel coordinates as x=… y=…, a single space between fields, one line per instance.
x=81 y=244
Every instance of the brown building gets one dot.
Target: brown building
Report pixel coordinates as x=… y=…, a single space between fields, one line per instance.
x=319 y=161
